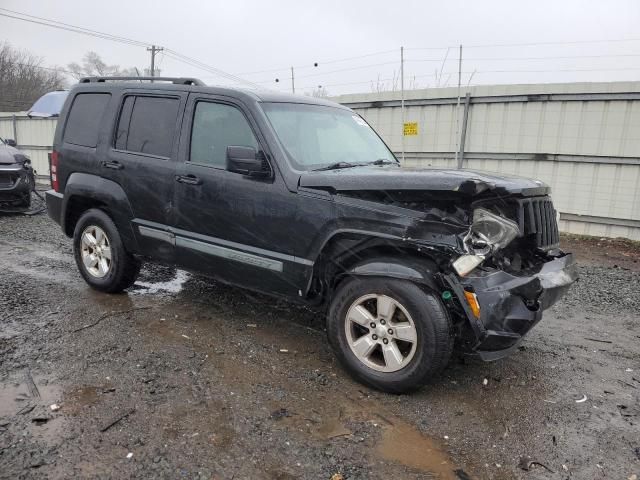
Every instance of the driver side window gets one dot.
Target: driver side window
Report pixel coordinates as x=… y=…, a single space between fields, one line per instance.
x=215 y=127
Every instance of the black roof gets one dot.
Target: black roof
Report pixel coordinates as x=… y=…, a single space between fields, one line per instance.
x=195 y=85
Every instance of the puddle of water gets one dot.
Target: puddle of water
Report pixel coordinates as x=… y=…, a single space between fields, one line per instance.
x=174 y=285
x=399 y=443
x=404 y=444
x=80 y=398
x=15 y=396
x=333 y=428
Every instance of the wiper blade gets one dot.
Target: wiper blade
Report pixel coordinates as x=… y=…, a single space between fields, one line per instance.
x=338 y=165
x=381 y=161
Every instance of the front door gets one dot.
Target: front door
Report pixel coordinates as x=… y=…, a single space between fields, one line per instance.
x=228 y=225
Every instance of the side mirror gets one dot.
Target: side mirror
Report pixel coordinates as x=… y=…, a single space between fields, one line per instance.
x=246 y=161
x=11 y=142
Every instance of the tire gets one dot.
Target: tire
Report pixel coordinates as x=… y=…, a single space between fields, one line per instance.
x=117 y=272
x=422 y=359
x=26 y=201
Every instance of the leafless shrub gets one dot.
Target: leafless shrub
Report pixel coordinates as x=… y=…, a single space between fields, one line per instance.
x=23 y=79
x=93 y=65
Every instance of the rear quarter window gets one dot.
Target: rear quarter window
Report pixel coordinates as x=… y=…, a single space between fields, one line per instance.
x=85 y=118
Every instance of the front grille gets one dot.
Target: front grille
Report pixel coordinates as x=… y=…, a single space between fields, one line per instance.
x=7 y=179
x=536 y=216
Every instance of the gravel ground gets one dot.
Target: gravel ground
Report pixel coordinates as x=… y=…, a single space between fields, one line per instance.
x=186 y=378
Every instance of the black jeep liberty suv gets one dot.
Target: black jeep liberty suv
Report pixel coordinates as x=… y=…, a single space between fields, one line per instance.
x=298 y=197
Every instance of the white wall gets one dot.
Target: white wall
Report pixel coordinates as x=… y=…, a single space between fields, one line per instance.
x=582 y=138
x=34 y=137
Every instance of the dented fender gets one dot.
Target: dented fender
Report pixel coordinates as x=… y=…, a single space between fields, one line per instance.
x=412 y=269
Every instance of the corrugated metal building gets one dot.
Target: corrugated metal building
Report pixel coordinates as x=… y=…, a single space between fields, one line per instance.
x=34 y=137
x=581 y=138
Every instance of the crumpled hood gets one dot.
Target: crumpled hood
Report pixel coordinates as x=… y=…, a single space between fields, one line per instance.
x=8 y=155
x=470 y=182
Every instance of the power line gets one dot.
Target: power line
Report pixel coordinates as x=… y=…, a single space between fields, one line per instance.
x=328 y=62
x=72 y=28
x=559 y=70
x=203 y=66
x=570 y=42
x=570 y=57
x=532 y=44
x=360 y=67
x=107 y=36
x=54 y=69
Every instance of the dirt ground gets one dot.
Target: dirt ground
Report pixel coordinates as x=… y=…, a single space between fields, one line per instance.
x=186 y=378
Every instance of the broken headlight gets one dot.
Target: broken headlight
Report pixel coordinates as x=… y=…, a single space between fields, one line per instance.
x=489 y=232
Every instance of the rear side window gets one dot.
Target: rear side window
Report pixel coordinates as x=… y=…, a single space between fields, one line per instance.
x=147 y=125
x=85 y=117
x=215 y=127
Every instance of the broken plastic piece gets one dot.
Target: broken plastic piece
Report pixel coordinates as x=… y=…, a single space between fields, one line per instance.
x=466 y=263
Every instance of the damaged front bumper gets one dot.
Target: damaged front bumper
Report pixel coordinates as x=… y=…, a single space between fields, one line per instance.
x=511 y=305
x=16 y=184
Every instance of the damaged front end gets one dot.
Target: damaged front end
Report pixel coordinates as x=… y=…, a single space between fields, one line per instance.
x=497 y=262
x=487 y=243
x=511 y=271
x=17 y=180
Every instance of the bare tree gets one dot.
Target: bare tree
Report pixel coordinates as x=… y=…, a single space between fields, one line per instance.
x=23 y=79
x=93 y=65
x=386 y=85
x=319 y=92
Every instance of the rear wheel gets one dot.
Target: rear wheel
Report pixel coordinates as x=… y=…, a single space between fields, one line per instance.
x=389 y=334
x=100 y=254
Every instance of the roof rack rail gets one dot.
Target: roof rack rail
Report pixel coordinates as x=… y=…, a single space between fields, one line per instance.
x=174 y=80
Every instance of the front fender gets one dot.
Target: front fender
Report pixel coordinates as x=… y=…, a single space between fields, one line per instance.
x=416 y=270
x=84 y=188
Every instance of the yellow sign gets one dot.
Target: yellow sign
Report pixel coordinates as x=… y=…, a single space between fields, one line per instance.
x=411 y=128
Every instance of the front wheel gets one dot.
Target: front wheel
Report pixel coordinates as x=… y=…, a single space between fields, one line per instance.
x=389 y=334
x=100 y=254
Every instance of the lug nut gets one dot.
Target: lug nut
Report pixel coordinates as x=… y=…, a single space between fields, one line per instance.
x=374 y=336
x=372 y=325
x=382 y=322
x=385 y=341
x=390 y=331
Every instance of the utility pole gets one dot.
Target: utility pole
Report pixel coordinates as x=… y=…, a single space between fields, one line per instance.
x=458 y=108
x=402 y=95
x=293 y=82
x=153 y=51
x=293 y=78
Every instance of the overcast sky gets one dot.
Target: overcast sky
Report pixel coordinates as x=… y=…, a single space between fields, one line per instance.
x=247 y=36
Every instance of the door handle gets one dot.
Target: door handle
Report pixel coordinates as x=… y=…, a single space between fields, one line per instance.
x=113 y=164
x=188 y=179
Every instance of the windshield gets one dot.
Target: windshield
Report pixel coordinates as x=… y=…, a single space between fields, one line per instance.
x=49 y=105
x=316 y=136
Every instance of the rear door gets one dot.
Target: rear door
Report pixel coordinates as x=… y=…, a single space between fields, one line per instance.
x=143 y=159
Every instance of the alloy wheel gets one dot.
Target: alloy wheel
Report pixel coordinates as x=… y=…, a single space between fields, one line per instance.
x=381 y=333
x=95 y=251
